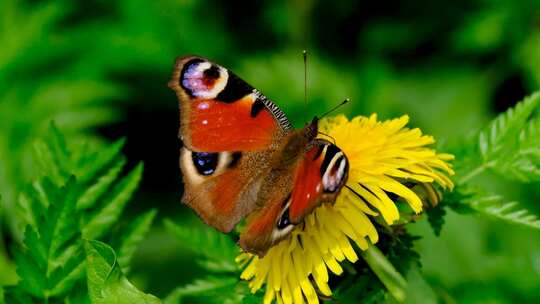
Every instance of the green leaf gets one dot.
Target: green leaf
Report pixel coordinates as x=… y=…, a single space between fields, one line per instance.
x=43 y=157
x=457 y=200
x=32 y=205
x=53 y=156
x=217 y=249
x=15 y=295
x=494 y=205
x=63 y=280
x=32 y=281
x=435 y=216
x=208 y=287
x=106 y=283
x=524 y=163
x=131 y=237
x=465 y=201
x=508 y=145
x=366 y=287
x=79 y=293
x=400 y=252
x=104 y=218
x=109 y=155
x=52 y=261
x=47 y=263
x=60 y=152
x=505 y=128
x=385 y=271
x=91 y=195
x=62 y=221
x=75 y=94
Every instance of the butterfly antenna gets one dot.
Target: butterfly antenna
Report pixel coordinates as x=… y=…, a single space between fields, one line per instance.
x=304 y=55
x=335 y=108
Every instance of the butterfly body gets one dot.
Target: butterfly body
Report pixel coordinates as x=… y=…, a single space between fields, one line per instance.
x=242 y=159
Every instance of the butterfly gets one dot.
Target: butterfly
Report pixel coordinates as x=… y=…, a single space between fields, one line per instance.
x=242 y=159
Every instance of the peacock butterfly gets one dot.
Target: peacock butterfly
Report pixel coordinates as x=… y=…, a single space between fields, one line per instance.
x=241 y=157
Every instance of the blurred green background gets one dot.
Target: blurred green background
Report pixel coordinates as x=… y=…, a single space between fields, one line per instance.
x=100 y=69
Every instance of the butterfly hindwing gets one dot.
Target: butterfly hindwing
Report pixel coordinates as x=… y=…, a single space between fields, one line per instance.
x=319 y=177
x=221 y=186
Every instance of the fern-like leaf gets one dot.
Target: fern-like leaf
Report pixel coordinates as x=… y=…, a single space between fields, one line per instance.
x=14 y=295
x=509 y=145
x=107 y=215
x=52 y=260
x=51 y=154
x=43 y=265
x=495 y=206
x=524 y=163
x=92 y=164
x=506 y=127
x=76 y=98
x=94 y=192
x=217 y=250
x=97 y=174
x=214 y=288
x=130 y=238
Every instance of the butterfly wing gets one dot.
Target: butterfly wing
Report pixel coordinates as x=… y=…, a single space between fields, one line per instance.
x=317 y=178
x=221 y=112
x=230 y=132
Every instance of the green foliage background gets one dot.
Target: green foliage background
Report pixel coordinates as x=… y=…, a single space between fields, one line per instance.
x=99 y=71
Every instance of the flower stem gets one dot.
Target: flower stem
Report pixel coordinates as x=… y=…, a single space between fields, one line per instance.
x=385 y=271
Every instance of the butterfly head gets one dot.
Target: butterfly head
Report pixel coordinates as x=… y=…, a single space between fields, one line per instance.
x=311 y=130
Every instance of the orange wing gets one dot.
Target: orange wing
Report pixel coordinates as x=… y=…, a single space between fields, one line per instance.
x=221 y=112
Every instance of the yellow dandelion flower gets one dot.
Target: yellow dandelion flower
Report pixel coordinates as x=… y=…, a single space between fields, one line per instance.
x=382 y=156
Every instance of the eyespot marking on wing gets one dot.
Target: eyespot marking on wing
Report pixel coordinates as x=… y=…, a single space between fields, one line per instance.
x=283 y=224
x=198 y=166
x=205 y=163
x=334 y=169
x=203 y=79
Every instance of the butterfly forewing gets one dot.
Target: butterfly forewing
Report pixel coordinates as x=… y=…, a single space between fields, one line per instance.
x=221 y=112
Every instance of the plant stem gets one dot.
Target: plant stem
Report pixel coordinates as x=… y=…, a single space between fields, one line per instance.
x=385 y=271
x=474 y=173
